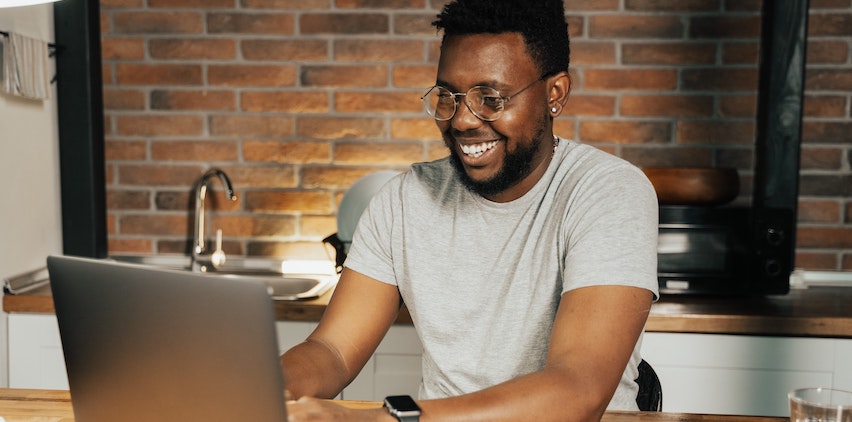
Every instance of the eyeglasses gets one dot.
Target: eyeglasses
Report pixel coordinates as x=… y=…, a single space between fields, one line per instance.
x=484 y=102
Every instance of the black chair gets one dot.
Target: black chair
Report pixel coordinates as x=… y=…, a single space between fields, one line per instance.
x=650 y=397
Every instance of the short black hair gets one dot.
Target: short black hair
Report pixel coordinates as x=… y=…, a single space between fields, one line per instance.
x=541 y=23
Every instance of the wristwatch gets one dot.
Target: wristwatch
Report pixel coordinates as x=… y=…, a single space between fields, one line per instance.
x=403 y=408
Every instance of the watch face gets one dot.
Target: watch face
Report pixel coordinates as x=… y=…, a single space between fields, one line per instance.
x=402 y=403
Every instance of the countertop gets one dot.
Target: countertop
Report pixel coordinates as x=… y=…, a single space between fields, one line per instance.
x=810 y=312
x=18 y=405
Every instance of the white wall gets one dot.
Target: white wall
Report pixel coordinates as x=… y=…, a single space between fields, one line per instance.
x=30 y=215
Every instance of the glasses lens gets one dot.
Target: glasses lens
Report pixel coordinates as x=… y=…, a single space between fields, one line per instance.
x=485 y=102
x=440 y=103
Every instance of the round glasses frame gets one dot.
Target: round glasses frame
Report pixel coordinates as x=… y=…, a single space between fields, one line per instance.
x=484 y=102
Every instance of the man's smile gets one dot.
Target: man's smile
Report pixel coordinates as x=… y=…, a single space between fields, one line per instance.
x=476 y=150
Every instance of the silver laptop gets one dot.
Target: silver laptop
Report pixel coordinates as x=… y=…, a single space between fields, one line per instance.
x=145 y=344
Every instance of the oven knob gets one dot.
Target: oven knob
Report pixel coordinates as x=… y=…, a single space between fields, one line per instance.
x=774 y=237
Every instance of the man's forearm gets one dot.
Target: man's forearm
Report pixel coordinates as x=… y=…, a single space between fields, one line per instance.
x=313 y=369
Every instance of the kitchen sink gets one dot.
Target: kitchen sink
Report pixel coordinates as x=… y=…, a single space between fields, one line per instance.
x=286 y=279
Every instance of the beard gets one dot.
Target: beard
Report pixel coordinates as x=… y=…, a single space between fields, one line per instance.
x=517 y=165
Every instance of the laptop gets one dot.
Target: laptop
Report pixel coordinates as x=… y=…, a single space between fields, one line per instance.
x=145 y=344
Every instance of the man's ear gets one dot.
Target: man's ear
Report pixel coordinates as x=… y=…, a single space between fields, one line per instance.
x=559 y=89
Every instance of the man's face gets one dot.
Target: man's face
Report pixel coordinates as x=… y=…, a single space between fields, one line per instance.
x=502 y=159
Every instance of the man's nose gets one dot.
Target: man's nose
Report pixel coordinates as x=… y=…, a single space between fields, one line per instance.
x=464 y=119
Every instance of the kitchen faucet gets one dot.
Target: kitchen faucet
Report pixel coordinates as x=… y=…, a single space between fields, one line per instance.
x=200 y=261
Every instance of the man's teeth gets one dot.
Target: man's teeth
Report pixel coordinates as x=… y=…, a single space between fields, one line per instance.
x=477 y=149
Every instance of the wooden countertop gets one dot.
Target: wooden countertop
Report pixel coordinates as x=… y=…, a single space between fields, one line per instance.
x=17 y=405
x=811 y=312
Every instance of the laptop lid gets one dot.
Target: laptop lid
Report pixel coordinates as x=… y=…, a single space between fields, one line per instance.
x=144 y=344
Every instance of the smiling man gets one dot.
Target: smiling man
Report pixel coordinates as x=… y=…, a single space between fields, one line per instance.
x=527 y=261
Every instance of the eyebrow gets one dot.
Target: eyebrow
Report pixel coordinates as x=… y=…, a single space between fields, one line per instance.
x=499 y=86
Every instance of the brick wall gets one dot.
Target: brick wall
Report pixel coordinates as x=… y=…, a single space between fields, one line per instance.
x=297 y=99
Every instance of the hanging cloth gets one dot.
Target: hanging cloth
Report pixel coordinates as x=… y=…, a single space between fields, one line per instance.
x=25 y=66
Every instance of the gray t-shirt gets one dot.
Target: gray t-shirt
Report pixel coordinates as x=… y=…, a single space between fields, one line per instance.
x=482 y=280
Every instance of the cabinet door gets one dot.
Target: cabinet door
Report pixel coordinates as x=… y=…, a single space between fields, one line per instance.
x=35 y=352
x=728 y=374
x=394 y=369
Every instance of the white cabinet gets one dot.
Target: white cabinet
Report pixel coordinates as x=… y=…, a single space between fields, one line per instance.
x=747 y=375
x=36 y=360
x=35 y=352
x=393 y=369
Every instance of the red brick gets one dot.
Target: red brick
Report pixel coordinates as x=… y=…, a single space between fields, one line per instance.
x=828 y=80
x=159 y=175
x=250 y=23
x=192 y=100
x=207 y=4
x=124 y=99
x=344 y=23
x=116 y=4
x=157 y=23
x=370 y=50
x=414 y=76
x=287 y=152
x=642 y=156
x=378 y=153
x=813 y=158
x=125 y=199
x=193 y=151
x=285 y=4
x=741 y=53
x=381 y=102
x=345 y=76
x=436 y=150
x=285 y=50
x=826 y=131
x=718 y=79
x=159 y=125
x=341 y=128
x=824 y=106
x=815 y=261
x=672 y=6
x=590 y=53
x=180 y=200
x=262 y=176
x=125 y=150
x=289 y=201
x=715 y=132
x=634 y=27
x=666 y=105
x=725 y=27
x=251 y=126
x=632 y=79
x=259 y=225
x=816 y=211
x=122 y=48
x=738 y=105
x=158 y=74
x=625 y=132
x=413 y=24
x=827 y=52
x=829 y=24
x=285 y=101
x=339 y=177
x=135 y=246
x=251 y=75
x=590 y=105
x=572 y=6
x=171 y=225
x=379 y=4
x=824 y=237
x=206 y=48
x=669 y=53
x=423 y=129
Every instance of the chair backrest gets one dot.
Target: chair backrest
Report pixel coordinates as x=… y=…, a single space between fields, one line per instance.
x=650 y=397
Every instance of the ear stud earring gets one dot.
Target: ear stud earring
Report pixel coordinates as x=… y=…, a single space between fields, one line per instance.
x=553 y=110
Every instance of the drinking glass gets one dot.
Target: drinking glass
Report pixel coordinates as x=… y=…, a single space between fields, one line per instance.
x=820 y=405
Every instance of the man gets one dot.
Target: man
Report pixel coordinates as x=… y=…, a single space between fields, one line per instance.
x=527 y=262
